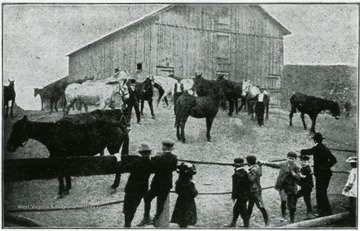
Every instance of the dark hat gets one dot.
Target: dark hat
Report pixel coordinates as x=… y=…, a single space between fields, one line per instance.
x=116 y=70
x=168 y=142
x=291 y=154
x=238 y=161
x=132 y=81
x=318 y=137
x=186 y=168
x=303 y=157
x=144 y=147
x=251 y=159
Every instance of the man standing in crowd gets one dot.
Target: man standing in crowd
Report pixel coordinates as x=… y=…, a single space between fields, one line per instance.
x=138 y=181
x=260 y=100
x=255 y=197
x=178 y=90
x=163 y=165
x=323 y=161
x=240 y=193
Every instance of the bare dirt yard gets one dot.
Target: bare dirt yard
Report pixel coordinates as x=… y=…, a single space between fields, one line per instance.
x=232 y=137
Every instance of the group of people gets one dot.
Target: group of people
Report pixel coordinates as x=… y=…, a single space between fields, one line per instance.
x=162 y=165
x=247 y=188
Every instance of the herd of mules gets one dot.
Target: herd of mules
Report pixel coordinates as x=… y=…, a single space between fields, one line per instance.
x=88 y=134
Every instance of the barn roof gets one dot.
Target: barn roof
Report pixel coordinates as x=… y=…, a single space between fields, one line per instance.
x=166 y=8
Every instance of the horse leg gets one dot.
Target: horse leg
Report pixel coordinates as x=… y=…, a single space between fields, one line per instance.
x=182 y=124
x=116 y=183
x=51 y=105
x=142 y=107
x=68 y=185
x=56 y=102
x=236 y=105
x=177 y=125
x=267 y=111
x=151 y=108
x=61 y=186
x=303 y=120
x=313 y=120
x=231 y=107
x=12 y=107
x=209 y=121
x=166 y=101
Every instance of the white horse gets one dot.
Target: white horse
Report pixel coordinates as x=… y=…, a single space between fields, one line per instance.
x=250 y=92
x=99 y=93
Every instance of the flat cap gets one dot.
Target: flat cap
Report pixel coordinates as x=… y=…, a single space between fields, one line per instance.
x=291 y=154
x=303 y=157
x=239 y=160
x=318 y=136
x=144 y=147
x=168 y=142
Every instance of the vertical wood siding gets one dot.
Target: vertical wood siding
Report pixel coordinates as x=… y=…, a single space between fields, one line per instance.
x=186 y=38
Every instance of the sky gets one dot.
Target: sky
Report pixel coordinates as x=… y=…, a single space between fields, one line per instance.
x=37 y=37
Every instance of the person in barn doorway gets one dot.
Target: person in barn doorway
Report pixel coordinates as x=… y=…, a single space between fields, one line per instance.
x=163 y=164
x=185 y=208
x=323 y=161
x=133 y=101
x=240 y=193
x=138 y=181
x=178 y=90
x=260 y=100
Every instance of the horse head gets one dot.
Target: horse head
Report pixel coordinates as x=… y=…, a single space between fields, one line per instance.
x=11 y=83
x=335 y=110
x=18 y=136
x=36 y=91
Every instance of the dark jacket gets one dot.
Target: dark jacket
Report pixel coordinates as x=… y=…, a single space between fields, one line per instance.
x=163 y=165
x=286 y=180
x=139 y=169
x=133 y=95
x=185 y=208
x=254 y=175
x=307 y=181
x=323 y=159
x=240 y=184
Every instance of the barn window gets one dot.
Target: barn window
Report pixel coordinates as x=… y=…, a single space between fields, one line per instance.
x=273 y=82
x=223 y=46
x=224 y=18
x=139 y=67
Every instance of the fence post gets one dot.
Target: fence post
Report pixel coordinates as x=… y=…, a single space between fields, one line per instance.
x=164 y=217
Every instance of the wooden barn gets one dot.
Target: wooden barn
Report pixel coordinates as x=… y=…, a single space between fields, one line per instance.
x=241 y=41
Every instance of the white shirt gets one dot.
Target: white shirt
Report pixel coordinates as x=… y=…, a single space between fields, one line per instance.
x=352 y=182
x=261 y=97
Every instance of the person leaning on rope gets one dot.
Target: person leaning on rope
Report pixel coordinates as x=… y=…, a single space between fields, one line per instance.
x=323 y=161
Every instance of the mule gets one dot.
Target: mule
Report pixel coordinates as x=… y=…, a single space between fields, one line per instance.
x=312 y=106
x=9 y=95
x=250 y=92
x=197 y=107
x=65 y=139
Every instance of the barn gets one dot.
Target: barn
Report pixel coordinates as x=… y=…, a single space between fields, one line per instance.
x=240 y=41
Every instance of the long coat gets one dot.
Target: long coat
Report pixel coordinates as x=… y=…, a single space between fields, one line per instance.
x=323 y=159
x=185 y=208
x=163 y=165
x=286 y=180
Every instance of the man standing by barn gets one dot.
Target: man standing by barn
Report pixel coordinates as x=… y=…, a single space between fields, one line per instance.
x=260 y=100
x=323 y=161
x=133 y=101
x=178 y=90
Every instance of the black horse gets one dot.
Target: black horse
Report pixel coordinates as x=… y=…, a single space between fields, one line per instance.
x=197 y=107
x=145 y=92
x=312 y=106
x=65 y=139
x=232 y=91
x=9 y=95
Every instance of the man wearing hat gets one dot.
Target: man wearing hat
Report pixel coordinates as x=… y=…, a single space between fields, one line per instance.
x=323 y=161
x=133 y=101
x=286 y=184
x=138 y=181
x=260 y=100
x=306 y=183
x=163 y=164
x=240 y=193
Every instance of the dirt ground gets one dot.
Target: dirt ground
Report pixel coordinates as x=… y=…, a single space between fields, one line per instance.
x=232 y=137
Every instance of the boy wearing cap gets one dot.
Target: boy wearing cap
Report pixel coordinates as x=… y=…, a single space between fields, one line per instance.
x=138 y=181
x=350 y=189
x=163 y=165
x=254 y=174
x=240 y=192
x=306 y=183
x=323 y=161
x=260 y=100
x=286 y=184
